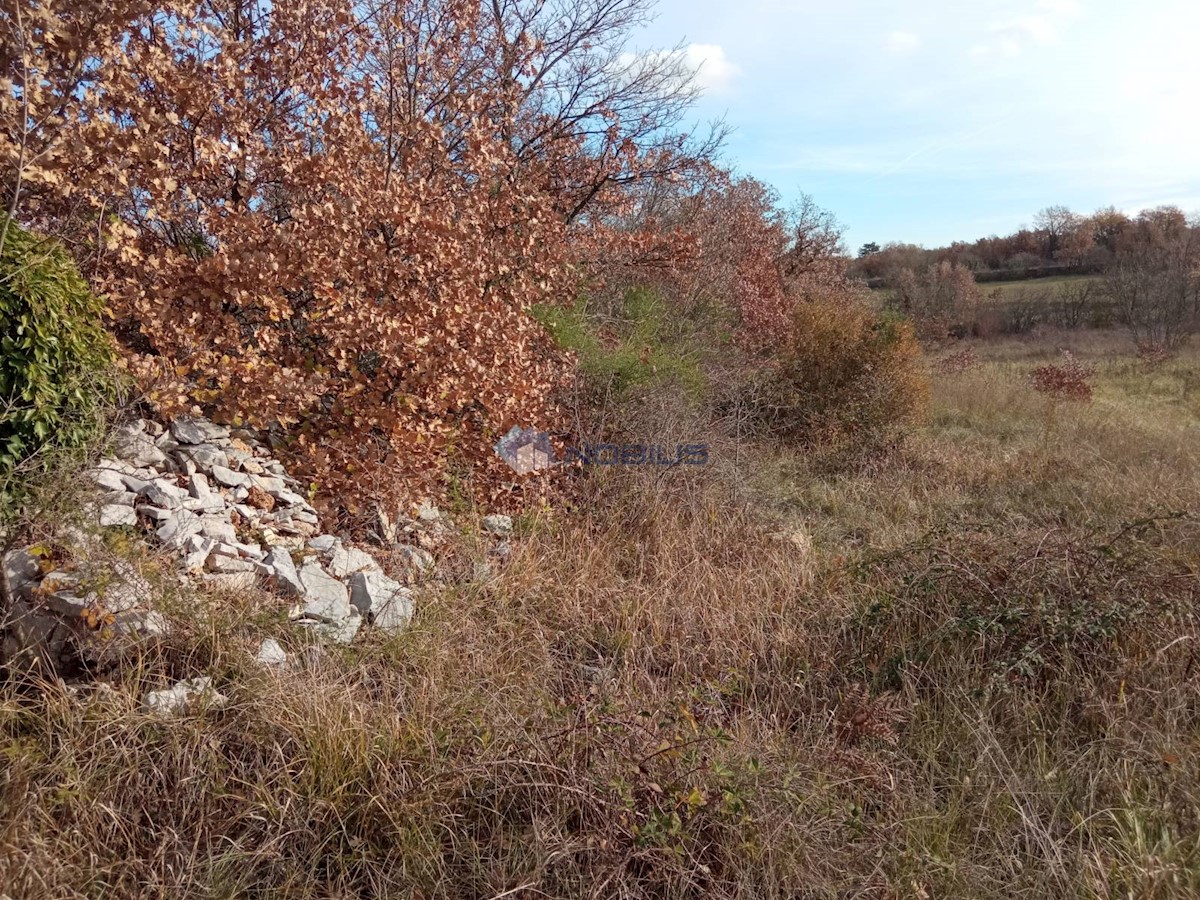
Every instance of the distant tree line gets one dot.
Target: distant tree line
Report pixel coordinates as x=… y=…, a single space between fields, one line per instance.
x=1060 y=242
x=1149 y=263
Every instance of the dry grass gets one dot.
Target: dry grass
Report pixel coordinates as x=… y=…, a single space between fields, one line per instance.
x=979 y=680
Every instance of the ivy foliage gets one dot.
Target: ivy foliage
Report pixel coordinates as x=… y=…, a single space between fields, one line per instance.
x=56 y=360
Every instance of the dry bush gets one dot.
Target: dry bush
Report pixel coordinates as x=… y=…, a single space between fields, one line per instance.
x=942 y=300
x=957 y=363
x=846 y=380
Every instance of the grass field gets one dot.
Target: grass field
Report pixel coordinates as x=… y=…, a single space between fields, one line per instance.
x=967 y=669
x=1034 y=287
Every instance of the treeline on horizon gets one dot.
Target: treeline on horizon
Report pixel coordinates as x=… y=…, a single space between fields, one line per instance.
x=1060 y=242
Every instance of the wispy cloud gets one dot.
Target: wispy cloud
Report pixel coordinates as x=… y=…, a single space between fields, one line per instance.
x=1041 y=25
x=902 y=42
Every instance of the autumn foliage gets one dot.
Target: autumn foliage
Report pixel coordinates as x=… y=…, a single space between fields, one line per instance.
x=331 y=218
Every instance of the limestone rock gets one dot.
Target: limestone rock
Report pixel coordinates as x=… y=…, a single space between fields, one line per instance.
x=345 y=561
x=325 y=598
x=497 y=524
x=229 y=478
x=286 y=578
x=183 y=697
x=198 y=431
x=270 y=653
x=114 y=514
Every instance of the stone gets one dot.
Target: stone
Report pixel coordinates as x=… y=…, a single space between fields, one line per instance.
x=218 y=529
x=231 y=581
x=325 y=598
x=229 y=564
x=417 y=557
x=386 y=601
x=162 y=494
x=428 y=513
x=108 y=478
x=197 y=551
x=114 y=514
x=324 y=543
x=177 y=529
x=497 y=524
x=395 y=614
x=345 y=561
x=198 y=486
x=183 y=697
x=198 y=431
x=152 y=428
x=229 y=478
x=286 y=578
x=124 y=498
x=154 y=513
x=132 y=444
x=21 y=568
x=291 y=498
x=270 y=653
x=203 y=456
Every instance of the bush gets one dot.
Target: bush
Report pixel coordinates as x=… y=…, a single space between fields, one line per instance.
x=847 y=379
x=56 y=361
x=941 y=300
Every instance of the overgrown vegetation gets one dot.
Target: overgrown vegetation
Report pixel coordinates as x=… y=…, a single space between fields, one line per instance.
x=965 y=672
x=57 y=375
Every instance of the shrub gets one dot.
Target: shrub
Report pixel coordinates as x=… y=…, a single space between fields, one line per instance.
x=56 y=361
x=1071 y=380
x=846 y=379
x=942 y=300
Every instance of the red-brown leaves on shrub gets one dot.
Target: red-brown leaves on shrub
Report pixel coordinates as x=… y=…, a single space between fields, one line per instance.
x=1070 y=380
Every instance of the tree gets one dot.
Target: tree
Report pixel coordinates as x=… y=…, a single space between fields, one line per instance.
x=939 y=299
x=867 y=249
x=331 y=218
x=1054 y=223
x=1155 y=279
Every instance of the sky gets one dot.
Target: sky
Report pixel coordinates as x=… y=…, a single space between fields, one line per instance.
x=937 y=120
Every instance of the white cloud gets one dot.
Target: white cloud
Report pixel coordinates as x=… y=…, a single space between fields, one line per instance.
x=707 y=65
x=715 y=72
x=1012 y=36
x=901 y=42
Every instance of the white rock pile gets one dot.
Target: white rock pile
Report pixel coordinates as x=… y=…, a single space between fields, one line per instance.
x=234 y=519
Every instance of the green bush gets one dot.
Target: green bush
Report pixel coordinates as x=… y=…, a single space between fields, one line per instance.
x=56 y=361
x=635 y=347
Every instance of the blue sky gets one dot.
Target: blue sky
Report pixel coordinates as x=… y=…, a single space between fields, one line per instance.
x=936 y=120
